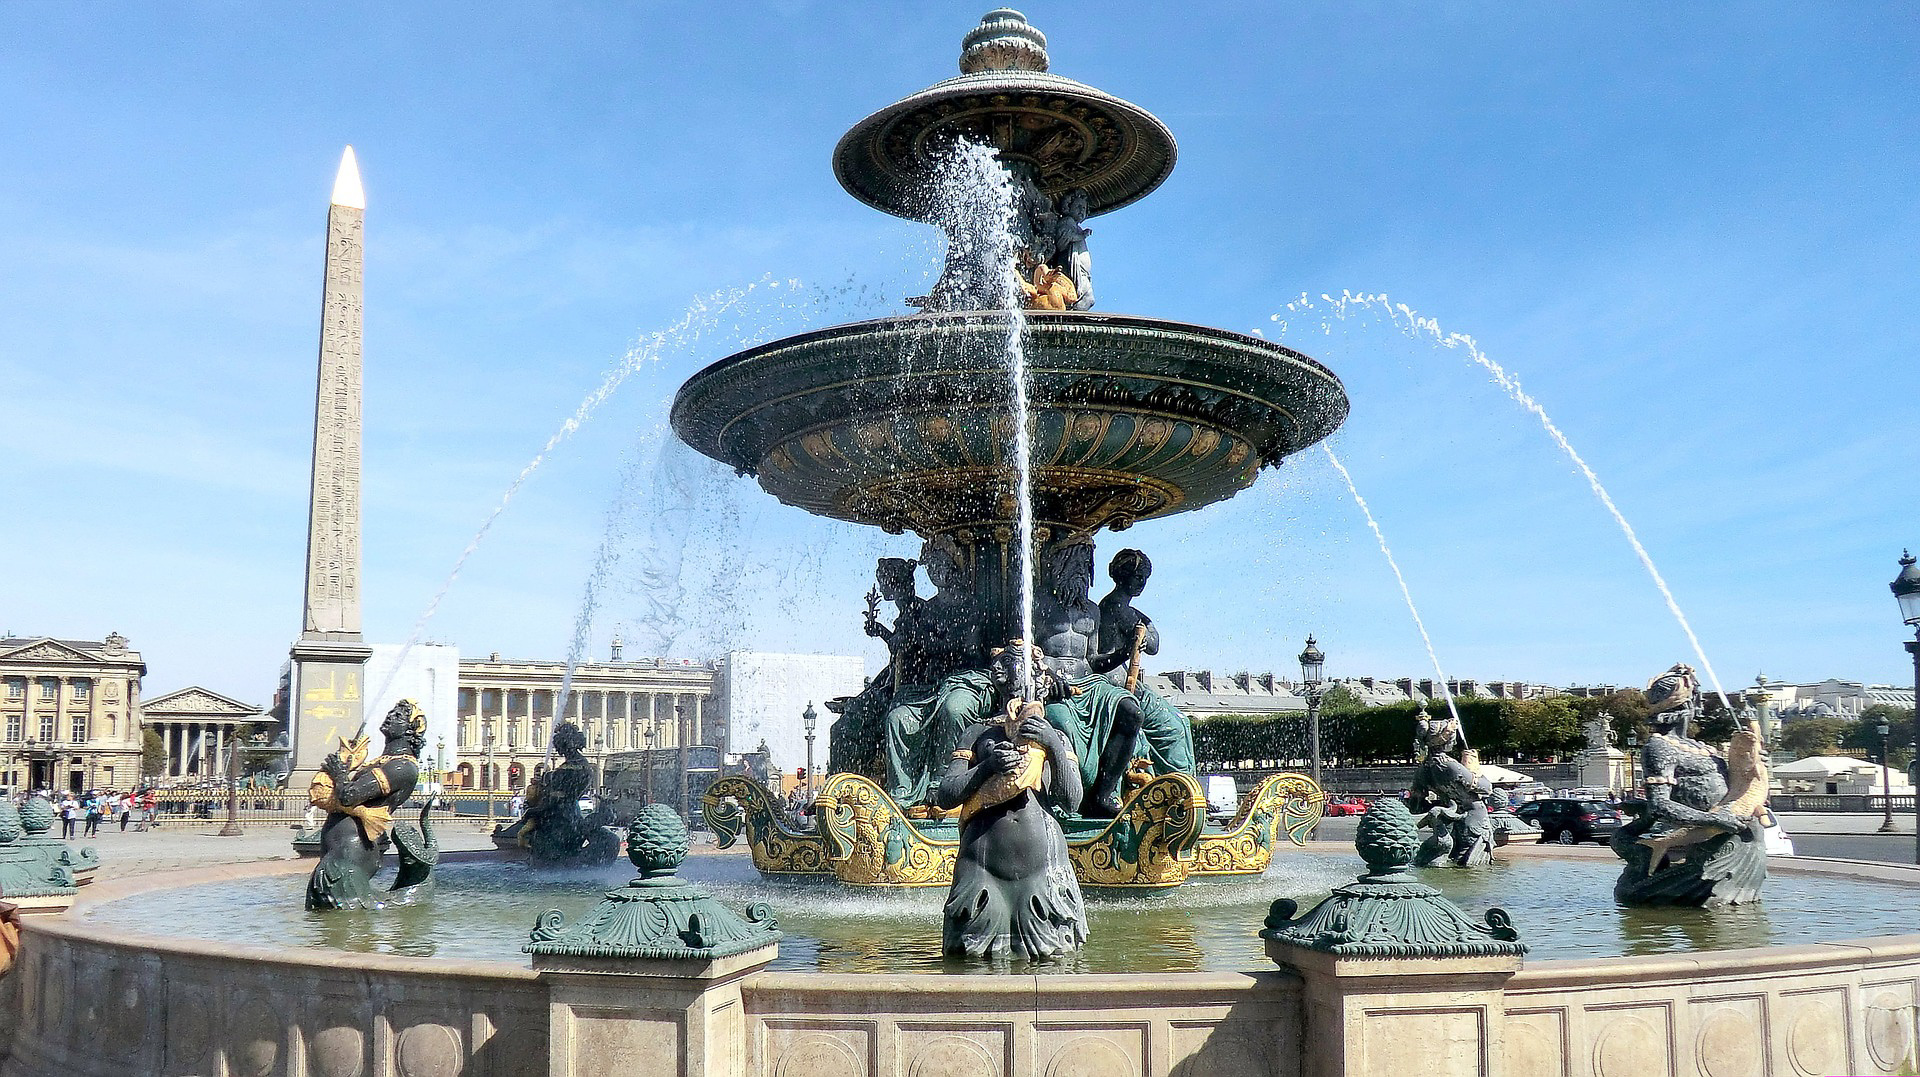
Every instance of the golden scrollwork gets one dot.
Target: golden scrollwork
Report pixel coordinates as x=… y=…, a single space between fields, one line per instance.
x=869 y=842
x=734 y=804
x=1150 y=844
x=1287 y=804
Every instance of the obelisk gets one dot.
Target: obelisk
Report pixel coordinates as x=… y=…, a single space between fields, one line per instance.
x=329 y=659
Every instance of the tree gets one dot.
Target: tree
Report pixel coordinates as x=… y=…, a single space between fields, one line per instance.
x=1545 y=726
x=153 y=754
x=1864 y=734
x=1812 y=736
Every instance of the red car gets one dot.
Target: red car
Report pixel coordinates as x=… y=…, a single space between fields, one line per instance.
x=1346 y=806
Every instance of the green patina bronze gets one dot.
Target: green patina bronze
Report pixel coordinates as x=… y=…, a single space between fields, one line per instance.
x=36 y=820
x=25 y=870
x=658 y=915
x=1387 y=913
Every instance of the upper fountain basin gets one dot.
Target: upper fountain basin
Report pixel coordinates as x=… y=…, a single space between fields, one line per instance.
x=904 y=422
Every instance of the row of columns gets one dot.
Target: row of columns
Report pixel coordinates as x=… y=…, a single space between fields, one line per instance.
x=190 y=742
x=612 y=731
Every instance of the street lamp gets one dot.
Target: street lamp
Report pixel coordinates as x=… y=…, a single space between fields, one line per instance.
x=1906 y=590
x=486 y=774
x=807 y=720
x=440 y=763
x=1633 y=760
x=686 y=786
x=1312 y=665
x=1886 y=778
x=232 y=828
x=647 y=734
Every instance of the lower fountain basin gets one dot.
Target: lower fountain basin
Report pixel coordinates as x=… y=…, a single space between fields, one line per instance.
x=483 y=910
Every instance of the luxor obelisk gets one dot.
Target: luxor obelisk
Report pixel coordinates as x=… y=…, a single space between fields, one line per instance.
x=329 y=660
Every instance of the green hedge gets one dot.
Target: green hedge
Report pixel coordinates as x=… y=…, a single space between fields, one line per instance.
x=1499 y=728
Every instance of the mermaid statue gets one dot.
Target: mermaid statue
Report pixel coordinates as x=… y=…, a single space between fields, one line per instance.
x=1700 y=839
x=1014 y=892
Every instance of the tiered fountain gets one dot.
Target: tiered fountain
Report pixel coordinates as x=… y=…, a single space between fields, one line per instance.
x=908 y=424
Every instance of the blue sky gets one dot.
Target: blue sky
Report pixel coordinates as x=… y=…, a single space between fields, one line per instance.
x=1694 y=233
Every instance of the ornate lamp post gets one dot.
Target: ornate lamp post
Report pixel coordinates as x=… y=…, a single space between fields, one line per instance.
x=232 y=829
x=686 y=784
x=807 y=720
x=486 y=775
x=1886 y=778
x=1312 y=665
x=1906 y=590
x=440 y=763
x=1633 y=760
x=647 y=735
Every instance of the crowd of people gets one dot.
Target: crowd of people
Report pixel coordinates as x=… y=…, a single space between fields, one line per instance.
x=81 y=814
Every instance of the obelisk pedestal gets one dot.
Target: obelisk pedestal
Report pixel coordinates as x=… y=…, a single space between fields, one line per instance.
x=329 y=659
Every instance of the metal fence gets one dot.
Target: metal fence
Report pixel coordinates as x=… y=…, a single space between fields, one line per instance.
x=206 y=809
x=1839 y=802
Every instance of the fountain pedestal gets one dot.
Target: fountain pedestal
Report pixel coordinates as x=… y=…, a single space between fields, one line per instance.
x=1398 y=980
x=648 y=981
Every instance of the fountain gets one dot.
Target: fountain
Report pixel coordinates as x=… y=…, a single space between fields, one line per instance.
x=908 y=423
x=927 y=423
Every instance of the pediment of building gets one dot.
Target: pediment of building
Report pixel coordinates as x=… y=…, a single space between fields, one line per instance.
x=47 y=650
x=196 y=702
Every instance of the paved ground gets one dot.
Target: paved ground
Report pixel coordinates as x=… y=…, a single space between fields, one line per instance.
x=1850 y=836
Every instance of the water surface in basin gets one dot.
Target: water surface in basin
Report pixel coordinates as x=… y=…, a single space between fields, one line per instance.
x=1563 y=908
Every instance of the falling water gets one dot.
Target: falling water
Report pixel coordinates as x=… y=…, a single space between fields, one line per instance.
x=1417 y=325
x=1440 y=676
x=699 y=317
x=976 y=200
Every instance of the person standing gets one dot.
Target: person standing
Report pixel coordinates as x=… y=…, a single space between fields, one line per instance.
x=123 y=807
x=94 y=809
x=69 y=816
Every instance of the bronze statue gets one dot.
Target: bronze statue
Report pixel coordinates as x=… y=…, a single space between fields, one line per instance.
x=1700 y=837
x=1127 y=635
x=1070 y=246
x=553 y=830
x=1447 y=785
x=1014 y=890
x=359 y=797
x=1101 y=720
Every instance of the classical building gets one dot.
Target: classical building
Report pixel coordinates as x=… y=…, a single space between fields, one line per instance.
x=197 y=725
x=70 y=713
x=506 y=711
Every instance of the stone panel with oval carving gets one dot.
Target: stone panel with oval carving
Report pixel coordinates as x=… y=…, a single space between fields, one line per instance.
x=970 y=1051
x=1889 y=1019
x=1536 y=1042
x=1730 y=1037
x=1631 y=1041
x=1090 y=1052
x=1816 y=1023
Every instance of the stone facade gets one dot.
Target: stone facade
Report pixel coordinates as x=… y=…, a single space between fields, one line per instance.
x=197 y=726
x=70 y=713
x=506 y=711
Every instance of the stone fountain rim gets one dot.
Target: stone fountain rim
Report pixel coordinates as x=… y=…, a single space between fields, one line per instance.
x=76 y=924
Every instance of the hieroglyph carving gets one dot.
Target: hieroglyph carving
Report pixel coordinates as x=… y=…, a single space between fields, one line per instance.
x=333 y=529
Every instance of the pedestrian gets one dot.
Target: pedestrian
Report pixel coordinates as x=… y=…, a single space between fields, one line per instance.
x=94 y=809
x=69 y=816
x=123 y=807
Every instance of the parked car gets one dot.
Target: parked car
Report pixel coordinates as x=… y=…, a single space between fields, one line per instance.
x=1508 y=825
x=1570 y=822
x=1346 y=806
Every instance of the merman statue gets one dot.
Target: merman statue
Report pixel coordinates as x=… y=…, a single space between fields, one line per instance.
x=1448 y=785
x=359 y=797
x=1014 y=892
x=1700 y=839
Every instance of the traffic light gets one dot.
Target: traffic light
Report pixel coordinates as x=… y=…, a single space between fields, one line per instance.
x=800 y=773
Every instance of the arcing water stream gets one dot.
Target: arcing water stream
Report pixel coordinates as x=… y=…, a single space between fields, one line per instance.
x=1440 y=675
x=700 y=317
x=1416 y=325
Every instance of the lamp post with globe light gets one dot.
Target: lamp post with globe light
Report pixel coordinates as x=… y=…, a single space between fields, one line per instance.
x=807 y=720
x=1906 y=591
x=1312 y=666
x=1886 y=777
